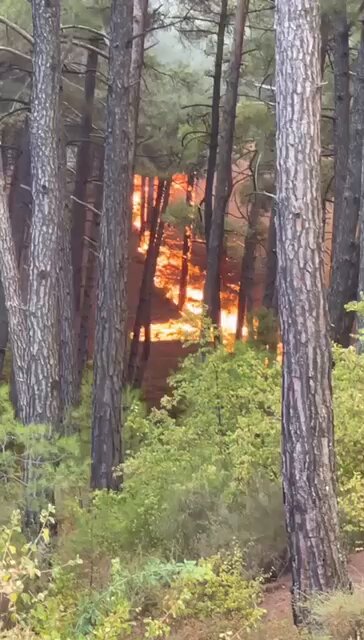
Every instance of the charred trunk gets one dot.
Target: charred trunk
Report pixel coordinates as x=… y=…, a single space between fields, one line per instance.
x=224 y=177
x=143 y=313
x=247 y=267
x=318 y=563
x=186 y=250
x=215 y=120
x=345 y=254
x=111 y=321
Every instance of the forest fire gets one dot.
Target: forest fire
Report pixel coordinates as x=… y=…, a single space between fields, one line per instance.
x=185 y=323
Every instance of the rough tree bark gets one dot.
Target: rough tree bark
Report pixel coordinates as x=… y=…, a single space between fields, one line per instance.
x=14 y=303
x=224 y=177
x=342 y=110
x=43 y=366
x=215 y=120
x=318 y=563
x=83 y=170
x=247 y=266
x=66 y=314
x=111 y=318
x=20 y=202
x=345 y=255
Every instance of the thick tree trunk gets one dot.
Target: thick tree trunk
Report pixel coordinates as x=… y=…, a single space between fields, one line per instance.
x=247 y=267
x=318 y=563
x=43 y=369
x=83 y=170
x=345 y=255
x=224 y=177
x=111 y=321
x=270 y=299
x=215 y=120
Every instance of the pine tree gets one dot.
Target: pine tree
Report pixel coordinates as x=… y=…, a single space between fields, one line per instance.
x=318 y=563
x=113 y=260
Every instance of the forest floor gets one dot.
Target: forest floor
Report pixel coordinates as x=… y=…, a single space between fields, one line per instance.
x=277 y=598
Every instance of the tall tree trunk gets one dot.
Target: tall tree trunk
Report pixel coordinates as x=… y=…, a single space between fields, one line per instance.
x=10 y=278
x=360 y=316
x=140 y=12
x=83 y=169
x=344 y=279
x=20 y=202
x=224 y=177
x=143 y=313
x=342 y=110
x=270 y=299
x=67 y=335
x=91 y=269
x=247 y=266
x=215 y=119
x=43 y=367
x=318 y=563
x=111 y=321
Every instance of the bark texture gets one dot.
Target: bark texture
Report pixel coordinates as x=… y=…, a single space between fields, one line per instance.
x=215 y=119
x=318 y=563
x=83 y=170
x=13 y=299
x=43 y=367
x=342 y=110
x=111 y=318
x=345 y=255
x=67 y=336
x=224 y=177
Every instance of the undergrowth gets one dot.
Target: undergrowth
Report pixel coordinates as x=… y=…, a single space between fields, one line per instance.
x=200 y=516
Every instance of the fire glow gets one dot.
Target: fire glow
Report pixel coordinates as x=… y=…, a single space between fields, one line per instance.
x=187 y=323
